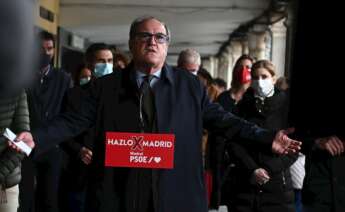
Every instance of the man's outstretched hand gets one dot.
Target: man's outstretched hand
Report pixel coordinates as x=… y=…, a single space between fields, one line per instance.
x=282 y=144
x=26 y=137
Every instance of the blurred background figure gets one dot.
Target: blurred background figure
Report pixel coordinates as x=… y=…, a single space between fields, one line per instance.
x=85 y=76
x=99 y=59
x=189 y=60
x=241 y=80
x=219 y=157
x=16 y=61
x=220 y=84
x=82 y=76
x=207 y=80
x=46 y=96
x=15 y=116
x=16 y=52
x=317 y=109
x=77 y=151
x=121 y=61
x=282 y=83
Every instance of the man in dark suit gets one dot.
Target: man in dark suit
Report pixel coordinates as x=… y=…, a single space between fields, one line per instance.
x=180 y=107
x=40 y=175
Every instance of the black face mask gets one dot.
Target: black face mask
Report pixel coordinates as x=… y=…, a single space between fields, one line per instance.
x=44 y=60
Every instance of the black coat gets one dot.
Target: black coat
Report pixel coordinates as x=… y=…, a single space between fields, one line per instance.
x=218 y=157
x=47 y=95
x=74 y=173
x=317 y=106
x=182 y=108
x=324 y=183
x=270 y=113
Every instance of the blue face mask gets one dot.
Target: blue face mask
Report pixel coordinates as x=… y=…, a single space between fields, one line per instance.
x=102 y=69
x=84 y=80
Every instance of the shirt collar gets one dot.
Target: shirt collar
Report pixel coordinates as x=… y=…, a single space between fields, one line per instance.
x=140 y=77
x=157 y=74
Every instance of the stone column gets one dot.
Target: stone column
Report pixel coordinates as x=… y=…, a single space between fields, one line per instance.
x=258 y=42
x=290 y=28
x=211 y=65
x=236 y=50
x=245 y=46
x=279 y=47
x=223 y=65
x=207 y=64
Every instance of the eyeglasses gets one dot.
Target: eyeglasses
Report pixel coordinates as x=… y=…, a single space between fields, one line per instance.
x=146 y=36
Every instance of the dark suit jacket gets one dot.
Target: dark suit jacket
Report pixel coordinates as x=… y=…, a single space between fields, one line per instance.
x=182 y=108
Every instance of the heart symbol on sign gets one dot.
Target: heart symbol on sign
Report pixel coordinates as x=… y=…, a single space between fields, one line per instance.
x=157 y=159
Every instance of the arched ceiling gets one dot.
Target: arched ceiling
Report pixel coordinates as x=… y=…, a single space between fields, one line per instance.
x=201 y=24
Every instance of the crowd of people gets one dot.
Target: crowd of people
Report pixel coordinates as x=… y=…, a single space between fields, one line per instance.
x=232 y=146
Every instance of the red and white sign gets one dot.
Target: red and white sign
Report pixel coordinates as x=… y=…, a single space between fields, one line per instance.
x=141 y=150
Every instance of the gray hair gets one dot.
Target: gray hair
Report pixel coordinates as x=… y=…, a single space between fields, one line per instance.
x=189 y=56
x=140 y=20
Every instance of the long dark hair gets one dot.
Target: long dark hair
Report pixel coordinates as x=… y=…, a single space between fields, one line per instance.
x=235 y=84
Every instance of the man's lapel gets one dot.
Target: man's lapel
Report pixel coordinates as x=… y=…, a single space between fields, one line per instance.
x=165 y=99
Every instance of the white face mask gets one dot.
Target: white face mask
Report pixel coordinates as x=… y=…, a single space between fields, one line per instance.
x=102 y=69
x=263 y=87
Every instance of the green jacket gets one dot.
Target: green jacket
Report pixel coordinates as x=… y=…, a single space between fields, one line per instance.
x=14 y=115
